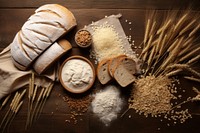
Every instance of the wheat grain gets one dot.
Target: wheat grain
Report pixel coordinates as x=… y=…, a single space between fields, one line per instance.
x=172 y=55
x=152 y=28
x=151 y=57
x=159 y=42
x=146 y=31
x=186 y=47
x=164 y=27
x=180 y=22
x=192 y=79
x=192 y=53
x=193 y=60
x=188 y=42
x=34 y=94
x=173 y=73
x=195 y=73
x=146 y=48
x=187 y=27
x=162 y=45
x=194 y=31
x=195 y=90
x=173 y=45
x=181 y=66
x=5 y=101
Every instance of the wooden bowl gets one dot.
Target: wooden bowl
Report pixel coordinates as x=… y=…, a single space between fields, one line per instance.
x=77 y=35
x=79 y=89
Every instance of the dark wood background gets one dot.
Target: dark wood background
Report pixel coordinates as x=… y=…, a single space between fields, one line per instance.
x=13 y=14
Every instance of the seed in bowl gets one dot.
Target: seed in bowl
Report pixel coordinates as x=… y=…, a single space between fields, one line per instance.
x=83 y=38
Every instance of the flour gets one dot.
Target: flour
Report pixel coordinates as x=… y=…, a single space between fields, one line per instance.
x=77 y=73
x=107 y=104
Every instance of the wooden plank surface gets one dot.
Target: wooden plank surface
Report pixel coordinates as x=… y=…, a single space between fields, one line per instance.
x=14 y=13
x=106 y=4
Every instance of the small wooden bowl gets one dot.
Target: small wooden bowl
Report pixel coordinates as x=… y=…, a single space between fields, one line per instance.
x=77 y=90
x=79 y=44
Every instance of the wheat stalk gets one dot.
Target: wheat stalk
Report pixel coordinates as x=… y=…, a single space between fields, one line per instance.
x=147 y=31
x=187 y=27
x=14 y=108
x=192 y=79
x=5 y=101
x=173 y=73
x=45 y=98
x=192 y=53
x=180 y=22
x=194 y=31
x=193 y=60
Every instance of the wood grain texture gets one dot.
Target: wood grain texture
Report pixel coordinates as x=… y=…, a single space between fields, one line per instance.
x=83 y=16
x=105 y=4
x=14 y=13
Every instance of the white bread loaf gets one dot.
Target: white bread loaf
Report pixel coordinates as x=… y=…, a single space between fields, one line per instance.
x=51 y=55
x=42 y=29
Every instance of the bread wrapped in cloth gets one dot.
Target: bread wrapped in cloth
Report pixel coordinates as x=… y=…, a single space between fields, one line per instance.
x=12 y=78
x=42 y=29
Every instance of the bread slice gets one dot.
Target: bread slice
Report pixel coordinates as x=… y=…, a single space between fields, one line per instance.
x=124 y=72
x=123 y=76
x=113 y=63
x=102 y=72
x=129 y=64
x=51 y=55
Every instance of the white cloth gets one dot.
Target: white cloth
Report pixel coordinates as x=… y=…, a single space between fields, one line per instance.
x=12 y=78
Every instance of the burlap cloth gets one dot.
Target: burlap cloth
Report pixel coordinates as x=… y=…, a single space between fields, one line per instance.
x=12 y=79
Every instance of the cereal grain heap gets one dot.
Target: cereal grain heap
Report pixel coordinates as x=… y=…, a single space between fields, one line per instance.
x=151 y=95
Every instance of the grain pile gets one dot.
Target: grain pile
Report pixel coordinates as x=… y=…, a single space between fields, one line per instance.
x=78 y=106
x=151 y=96
x=107 y=43
x=170 y=48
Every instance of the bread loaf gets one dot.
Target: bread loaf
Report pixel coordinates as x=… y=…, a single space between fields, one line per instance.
x=42 y=29
x=51 y=55
x=102 y=72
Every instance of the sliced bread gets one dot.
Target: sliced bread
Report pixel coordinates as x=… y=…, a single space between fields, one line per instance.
x=43 y=28
x=123 y=76
x=129 y=64
x=51 y=55
x=113 y=63
x=102 y=72
x=124 y=71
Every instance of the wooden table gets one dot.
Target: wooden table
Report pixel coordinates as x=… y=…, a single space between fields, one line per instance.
x=14 y=13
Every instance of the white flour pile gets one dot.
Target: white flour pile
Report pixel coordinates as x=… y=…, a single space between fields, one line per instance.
x=107 y=104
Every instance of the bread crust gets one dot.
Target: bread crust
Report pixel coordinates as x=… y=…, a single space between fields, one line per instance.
x=51 y=55
x=42 y=29
x=105 y=72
